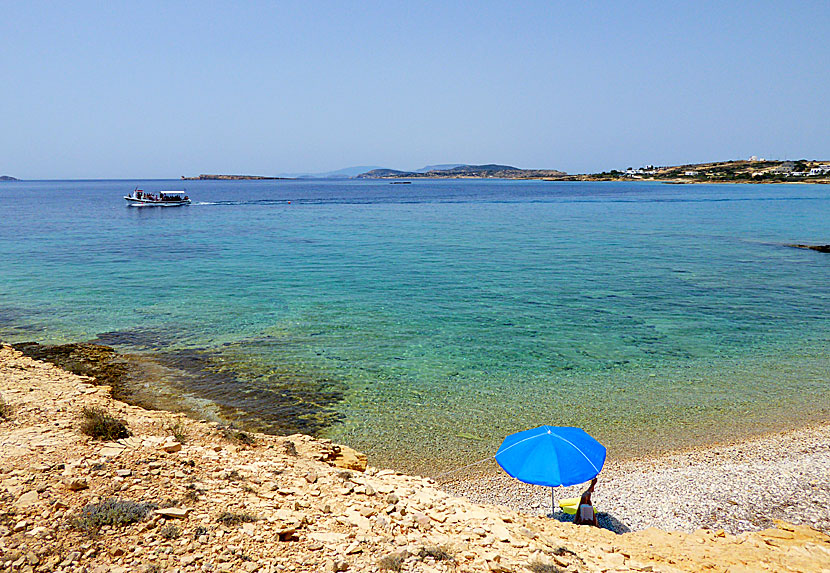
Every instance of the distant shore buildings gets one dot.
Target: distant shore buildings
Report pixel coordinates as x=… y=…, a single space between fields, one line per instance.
x=755 y=169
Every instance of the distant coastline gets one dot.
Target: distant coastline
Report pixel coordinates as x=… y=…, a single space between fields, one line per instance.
x=489 y=171
x=204 y=177
x=752 y=170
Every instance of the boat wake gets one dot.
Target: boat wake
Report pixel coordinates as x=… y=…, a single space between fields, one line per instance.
x=234 y=203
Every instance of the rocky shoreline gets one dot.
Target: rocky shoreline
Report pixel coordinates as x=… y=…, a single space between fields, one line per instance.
x=186 y=495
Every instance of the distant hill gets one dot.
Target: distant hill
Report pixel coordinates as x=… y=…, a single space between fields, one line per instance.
x=383 y=173
x=490 y=170
x=442 y=167
x=345 y=172
x=8 y=178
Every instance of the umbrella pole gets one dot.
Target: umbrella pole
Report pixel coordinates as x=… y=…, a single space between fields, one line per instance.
x=552 y=503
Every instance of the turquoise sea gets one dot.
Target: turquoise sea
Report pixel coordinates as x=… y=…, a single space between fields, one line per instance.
x=422 y=323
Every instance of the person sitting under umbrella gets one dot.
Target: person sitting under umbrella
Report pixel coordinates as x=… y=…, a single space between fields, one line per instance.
x=585 y=514
x=551 y=456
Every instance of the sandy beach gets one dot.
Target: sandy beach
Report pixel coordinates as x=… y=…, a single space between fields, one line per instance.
x=206 y=498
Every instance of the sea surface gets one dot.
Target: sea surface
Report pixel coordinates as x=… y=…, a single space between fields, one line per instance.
x=422 y=323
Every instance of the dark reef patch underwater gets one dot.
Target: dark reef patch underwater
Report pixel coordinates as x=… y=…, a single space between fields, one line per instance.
x=196 y=382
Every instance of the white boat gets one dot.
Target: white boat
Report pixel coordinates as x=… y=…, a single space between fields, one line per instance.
x=139 y=198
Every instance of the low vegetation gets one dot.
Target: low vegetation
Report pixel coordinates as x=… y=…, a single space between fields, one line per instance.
x=542 y=567
x=437 y=552
x=238 y=436
x=5 y=410
x=391 y=562
x=112 y=512
x=178 y=431
x=98 y=423
x=228 y=518
x=562 y=551
x=199 y=531
x=169 y=532
x=395 y=561
x=233 y=475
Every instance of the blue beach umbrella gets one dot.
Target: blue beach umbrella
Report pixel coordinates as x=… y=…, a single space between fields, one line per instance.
x=552 y=456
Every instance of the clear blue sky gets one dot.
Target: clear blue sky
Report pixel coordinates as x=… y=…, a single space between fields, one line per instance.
x=146 y=89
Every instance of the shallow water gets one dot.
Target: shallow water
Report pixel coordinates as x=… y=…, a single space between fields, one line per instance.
x=422 y=323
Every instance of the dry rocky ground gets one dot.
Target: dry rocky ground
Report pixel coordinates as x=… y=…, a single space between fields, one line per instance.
x=195 y=497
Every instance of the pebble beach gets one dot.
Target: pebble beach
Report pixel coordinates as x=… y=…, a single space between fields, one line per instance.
x=736 y=487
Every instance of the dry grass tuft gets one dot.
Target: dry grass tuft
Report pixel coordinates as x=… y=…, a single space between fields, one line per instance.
x=100 y=425
x=391 y=562
x=113 y=512
x=542 y=567
x=228 y=518
x=5 y=410
x=170 y=531
x=178 y=431
x=439 y=553
x=238 y=436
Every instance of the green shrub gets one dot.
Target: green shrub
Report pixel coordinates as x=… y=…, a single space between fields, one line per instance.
x=113 y=512
x=100 y=425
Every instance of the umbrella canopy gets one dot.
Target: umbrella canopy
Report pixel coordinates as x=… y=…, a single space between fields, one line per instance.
x=551 y=456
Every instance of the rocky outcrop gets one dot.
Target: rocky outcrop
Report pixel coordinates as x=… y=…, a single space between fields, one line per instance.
x=95 y=361
x=819 y=248
x=181 y=495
